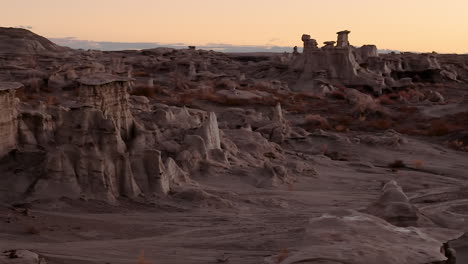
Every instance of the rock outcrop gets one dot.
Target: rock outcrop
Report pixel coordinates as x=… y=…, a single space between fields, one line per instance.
x=22 y=41
x=21 y=256
x=338 y=62
x=343 y=41
x=394 y=206
x=109 y=94
x=93 y=147
x=354 y=238
x=8 y=116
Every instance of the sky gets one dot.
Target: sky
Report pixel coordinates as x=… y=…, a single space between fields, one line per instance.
x=405 y=25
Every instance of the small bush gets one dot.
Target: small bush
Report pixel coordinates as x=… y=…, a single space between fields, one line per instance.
x=341 y=128
x=143 y=91
x=408 y=109
x=32 y=230
x=418 y=164
x=186 y=99
x=26 y=96
x=458 y=145
x=386 y=100
x=141 y=258
x=315 y=121
x=51 y=100
x=140 y=74
x=397 y=164
x=438 y=128
x=284 y=254
x=380 y=124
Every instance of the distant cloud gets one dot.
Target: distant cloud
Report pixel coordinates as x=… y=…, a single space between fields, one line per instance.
x=274 y=40
x=25 y=27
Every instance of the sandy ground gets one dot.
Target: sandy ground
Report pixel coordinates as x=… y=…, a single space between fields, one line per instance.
x=257 y=223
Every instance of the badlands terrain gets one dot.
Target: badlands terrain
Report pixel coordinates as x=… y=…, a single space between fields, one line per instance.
x=333 y=155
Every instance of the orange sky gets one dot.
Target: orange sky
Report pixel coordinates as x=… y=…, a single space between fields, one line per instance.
x=406 y=25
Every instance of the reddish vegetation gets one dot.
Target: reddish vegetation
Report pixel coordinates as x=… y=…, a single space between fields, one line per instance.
x=140 y=74
x=32 y=230
x=144 y=91
x=284 y=254
x=312 y=121
x=397 y=164
x=458 y=145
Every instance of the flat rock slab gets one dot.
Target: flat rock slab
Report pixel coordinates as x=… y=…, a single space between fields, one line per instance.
x=350 y=237
x=6 y=86
x=20 y=257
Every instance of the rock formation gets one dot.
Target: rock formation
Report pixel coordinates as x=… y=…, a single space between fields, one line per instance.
x=22 y=41
x=365 y=239
x=209 y=131
x=342 y=41
x=329 y=44
x=218 y=139
x=309 y=44
x=8 y=116
x=338 y=62
x=110 y=95
x=394 y=206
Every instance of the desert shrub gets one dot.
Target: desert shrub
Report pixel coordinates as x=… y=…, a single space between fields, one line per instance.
x=341 y=128
x=225 y=84
x=143 y=91
x=141 y=258
x=304 y=96
x=260 y=86
x=186 y=99
x=380 y=124
x=297 y=107
x=438 y=128
x=140 y=74
x=47 y=89
x=51 y=100
x=235 y=101
x=26 y=96
x=314 y=121
x=211 y=97
x=337 y=94
x=343 y=120
x=386 y=100
x=417 y=164
x=458 y=145
x=397 y=164
x=408 y=109
x=32 y=230
x=180 y=81
x=284 y=254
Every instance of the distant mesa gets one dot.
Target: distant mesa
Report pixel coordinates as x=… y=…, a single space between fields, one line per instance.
x=22 y=41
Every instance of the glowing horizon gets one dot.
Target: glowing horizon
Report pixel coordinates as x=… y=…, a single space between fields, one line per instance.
x=420 y=26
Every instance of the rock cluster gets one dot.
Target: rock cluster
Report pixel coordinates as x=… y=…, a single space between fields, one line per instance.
x=352 y=66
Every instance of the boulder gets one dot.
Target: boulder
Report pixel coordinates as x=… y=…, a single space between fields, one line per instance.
x=21 y=256
x=394 y=206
